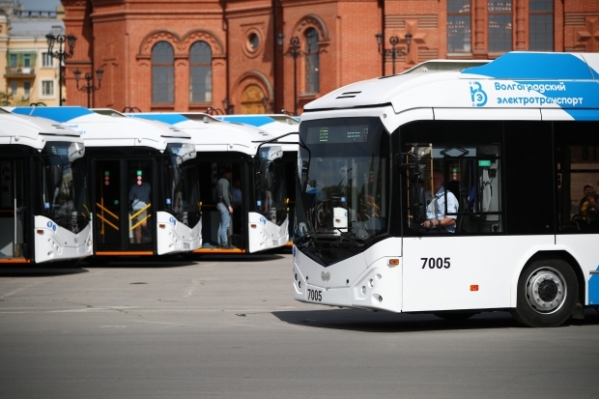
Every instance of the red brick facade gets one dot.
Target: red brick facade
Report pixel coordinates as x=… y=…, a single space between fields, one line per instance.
x=248 y=67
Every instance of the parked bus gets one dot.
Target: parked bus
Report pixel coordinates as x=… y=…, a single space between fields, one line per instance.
x=260 y=218
x=44 y=210
x=143 y=180
x=454 y=193
x=278 y=125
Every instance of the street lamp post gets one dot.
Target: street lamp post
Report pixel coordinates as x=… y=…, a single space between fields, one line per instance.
x=89 y=82
x=61 y=54
x=227 y=108
x=294 y=52
x=394 y=52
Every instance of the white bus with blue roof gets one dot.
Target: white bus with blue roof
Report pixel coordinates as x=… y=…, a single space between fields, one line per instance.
x=454 y=193
x=278 y=125
x=143 y=183
x=256 y=159
x=44 y=209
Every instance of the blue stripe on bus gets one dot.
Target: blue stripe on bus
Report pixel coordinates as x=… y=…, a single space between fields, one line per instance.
x=594 y=288
x=248 y=120
x=583 y=114
x=551 y=66
x=58 y=114
x=170 y=119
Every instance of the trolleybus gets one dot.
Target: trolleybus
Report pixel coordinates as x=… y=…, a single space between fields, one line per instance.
x=260 y=221
x=44 y=210
x=143 y=180
x=454 y=193
x=278 y=125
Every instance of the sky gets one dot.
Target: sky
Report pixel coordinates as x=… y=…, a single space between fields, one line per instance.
x=39 y=5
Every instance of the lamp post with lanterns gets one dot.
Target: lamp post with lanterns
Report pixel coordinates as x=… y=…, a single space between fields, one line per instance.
x=294 y=52
x=61 y=53
x=394 y=51
x=89 y=82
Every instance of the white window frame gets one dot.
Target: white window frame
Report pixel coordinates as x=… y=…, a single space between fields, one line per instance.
x=47 y=60
x=53 y=94
x=26 y=90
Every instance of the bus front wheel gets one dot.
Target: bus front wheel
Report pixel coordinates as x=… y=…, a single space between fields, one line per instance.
x=547 y=294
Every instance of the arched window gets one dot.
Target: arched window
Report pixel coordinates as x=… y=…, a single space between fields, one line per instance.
x=163 y=85
x=200 y=73
x=312 y=61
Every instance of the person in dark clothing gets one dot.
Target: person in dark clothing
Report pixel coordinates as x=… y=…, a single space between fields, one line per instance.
x=224 y=206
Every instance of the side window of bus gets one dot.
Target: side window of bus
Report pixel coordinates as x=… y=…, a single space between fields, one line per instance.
x=458 y=179
x=577 y=174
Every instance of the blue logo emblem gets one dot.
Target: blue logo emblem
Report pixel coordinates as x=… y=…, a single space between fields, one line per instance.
x=477 y=95
x=172 y=221
x=262 y=220
x=51 y=225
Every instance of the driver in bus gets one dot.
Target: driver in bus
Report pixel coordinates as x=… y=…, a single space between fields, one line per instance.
x=436 y=219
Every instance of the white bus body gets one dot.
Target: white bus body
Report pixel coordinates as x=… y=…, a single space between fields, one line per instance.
x=255 y=227
x=125 y=152
x=44 y=212
x=515 y=140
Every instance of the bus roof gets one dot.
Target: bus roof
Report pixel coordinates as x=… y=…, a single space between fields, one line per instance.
x=276 y=124
x=210 y=134
x=565 y=82
x=102 y=130
x=33 y=131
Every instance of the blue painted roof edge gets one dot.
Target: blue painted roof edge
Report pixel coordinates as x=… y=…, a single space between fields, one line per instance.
x=170 y=119
x=537 y=66
x=58 y=114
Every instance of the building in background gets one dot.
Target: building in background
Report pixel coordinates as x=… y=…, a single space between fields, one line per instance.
x=30 y=74
x=224 y=56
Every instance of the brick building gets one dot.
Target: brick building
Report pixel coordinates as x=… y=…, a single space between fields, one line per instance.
x=192 y=55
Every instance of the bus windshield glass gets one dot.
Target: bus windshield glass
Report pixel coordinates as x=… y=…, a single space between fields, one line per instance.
x=64 y=191
x=271 y=189
x=343 y=184
x=181 y=180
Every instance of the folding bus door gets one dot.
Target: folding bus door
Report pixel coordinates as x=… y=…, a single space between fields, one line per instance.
x=12 y=210
x=123 y=201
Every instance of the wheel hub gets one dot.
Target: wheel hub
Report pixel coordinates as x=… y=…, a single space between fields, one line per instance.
x=546 y=290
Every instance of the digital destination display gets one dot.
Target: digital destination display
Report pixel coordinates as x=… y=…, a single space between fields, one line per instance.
x=338 y=134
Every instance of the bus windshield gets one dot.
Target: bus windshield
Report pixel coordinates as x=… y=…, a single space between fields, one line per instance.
x=271 y=189
x=343 y=183
x=181 y=180
x=64 y=191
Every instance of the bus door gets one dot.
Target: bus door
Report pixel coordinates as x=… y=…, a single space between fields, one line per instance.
x=124 y=206
x=13 y=219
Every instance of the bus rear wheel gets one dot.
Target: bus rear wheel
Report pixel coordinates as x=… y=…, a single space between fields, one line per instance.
x=547 y=294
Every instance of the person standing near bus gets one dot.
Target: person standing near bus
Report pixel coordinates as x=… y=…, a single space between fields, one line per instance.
x=224 y=206
x=139 y=198
x=437 y=220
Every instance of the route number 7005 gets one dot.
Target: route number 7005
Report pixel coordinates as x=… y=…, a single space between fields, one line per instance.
x=436 y=263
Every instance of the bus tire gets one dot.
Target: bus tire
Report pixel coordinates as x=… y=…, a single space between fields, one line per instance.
x=547 y=294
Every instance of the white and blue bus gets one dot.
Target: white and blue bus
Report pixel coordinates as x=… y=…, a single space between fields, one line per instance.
x=512 y=151
x=260 y=219
x=278 y=125
x=44 y=209
x=126 y=156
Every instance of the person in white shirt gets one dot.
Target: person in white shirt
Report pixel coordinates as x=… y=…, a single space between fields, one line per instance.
x=438 y=217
